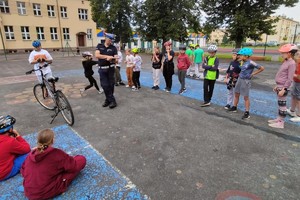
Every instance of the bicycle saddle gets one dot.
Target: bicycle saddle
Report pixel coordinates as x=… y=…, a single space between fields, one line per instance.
x=53 y=79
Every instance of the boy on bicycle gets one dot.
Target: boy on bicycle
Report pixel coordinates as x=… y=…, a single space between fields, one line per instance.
x=38 y=57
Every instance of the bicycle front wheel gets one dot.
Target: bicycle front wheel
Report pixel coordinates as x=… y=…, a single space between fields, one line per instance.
x=65 y=107
x=43 y=97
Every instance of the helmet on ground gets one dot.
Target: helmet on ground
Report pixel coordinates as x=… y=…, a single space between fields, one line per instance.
x=212 y=48
x=292 y=48
x=182 y=47
x=135 y=50
x=236 y=50
x=86 y=53
x=6 y=123
x=168 y=43
x=245 y=52
x=110 y=36
x=36 y=43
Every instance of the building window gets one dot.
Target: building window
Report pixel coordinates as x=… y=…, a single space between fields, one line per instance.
x=25 y=32
x=66 y=33
x=21 y=8
x=9 y=32
x=83 y=14
x=40 y=33
x=89 y=34
x=51 y=12
x=63 y=12
x=37 y=9
x=4 y=8
x=53 y=32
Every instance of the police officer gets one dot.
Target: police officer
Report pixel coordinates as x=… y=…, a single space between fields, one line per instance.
x=108 y=56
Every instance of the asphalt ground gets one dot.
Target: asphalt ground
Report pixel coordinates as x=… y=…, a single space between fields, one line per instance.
x=166 y=144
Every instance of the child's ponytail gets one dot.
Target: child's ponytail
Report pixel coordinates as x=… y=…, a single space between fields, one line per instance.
x=45 y=138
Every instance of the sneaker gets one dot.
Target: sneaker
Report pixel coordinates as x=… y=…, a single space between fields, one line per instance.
x=279 y=124
x=112 y=105
x=105 y=104
x=233 y=109
x=291 y=113
x=184 y=90
x=153 y=87
x=156 y=87
x=100 y=91
x=295 y=119
x=180 y=92
x=273 y=121
x=246 y=115
x=82 y=90
x=135 y=89
x=117 y=84
x=121 y=83
x=127 y=86
x=197 y=77
x=139 y=87
x=227 y=107
x=205 y=104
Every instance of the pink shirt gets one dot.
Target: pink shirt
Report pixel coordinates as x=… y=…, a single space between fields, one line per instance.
x=284 y=76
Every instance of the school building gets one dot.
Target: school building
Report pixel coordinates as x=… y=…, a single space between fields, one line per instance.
x=58 y=24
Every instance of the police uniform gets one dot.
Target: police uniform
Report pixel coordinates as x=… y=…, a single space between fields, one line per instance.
x=107 y=73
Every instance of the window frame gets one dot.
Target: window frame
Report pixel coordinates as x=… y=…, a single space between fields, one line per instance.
x=9 y=33
x=66 y=33
x=54 y=35
x=40 y=33
x=25 y=32
x=37 y=9
x=63 y=12
x=4 y=7
x=21 y=9
x=83 y=14
x=89 y=33
x=51 y=12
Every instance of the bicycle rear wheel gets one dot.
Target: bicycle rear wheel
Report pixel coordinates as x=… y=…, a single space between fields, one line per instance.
x=45 y=99
x=65 y=107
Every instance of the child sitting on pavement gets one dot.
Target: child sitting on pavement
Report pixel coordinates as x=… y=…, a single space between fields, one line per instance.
x=87 y=64
x=183 y=64
x=231 y=77
x=14 y=149
x=284 y=79
x=49 y=171
x=243 y=84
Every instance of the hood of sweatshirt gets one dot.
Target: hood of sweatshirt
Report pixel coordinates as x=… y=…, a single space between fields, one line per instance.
x=36 y=156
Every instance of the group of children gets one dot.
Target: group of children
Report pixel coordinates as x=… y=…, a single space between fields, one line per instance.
x=47 y=171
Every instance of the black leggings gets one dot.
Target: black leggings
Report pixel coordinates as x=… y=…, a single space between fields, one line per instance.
x=136 y=79
x=93 y=82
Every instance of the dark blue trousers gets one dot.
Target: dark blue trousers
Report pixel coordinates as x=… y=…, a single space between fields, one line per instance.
x=107 y=80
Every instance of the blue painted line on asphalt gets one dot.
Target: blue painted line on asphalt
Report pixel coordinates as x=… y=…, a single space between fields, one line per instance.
x=263 y=103
x=98 y=180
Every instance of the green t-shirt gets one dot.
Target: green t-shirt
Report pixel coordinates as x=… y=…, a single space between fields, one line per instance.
x=198 y=55
x=189 y=52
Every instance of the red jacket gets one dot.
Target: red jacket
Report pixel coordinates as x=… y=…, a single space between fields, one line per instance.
x=183 y=62
x=10 y=148
x=297 y=72
x=43 y=172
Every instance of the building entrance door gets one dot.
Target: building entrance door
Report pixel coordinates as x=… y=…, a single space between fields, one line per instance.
x=81 y=39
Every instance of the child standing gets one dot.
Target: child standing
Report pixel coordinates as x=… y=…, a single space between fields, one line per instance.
x=231 y=78
x=190 y=53
x=129 y=66
x=49 y=171
x=211 y=74
x=284 y=79
x=183 y=64
x=87 y=64
x=243 y=84
x=118 y=78
x=168 y=66
x=156 y=65
x=199 y=56
x=296 y=93
x=137 y=65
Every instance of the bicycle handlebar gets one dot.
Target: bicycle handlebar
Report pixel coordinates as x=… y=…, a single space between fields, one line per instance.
x=40 y=68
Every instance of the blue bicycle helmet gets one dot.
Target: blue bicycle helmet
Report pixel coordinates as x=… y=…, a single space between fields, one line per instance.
x=245 y=52
x=36 y=43
x=6 y=123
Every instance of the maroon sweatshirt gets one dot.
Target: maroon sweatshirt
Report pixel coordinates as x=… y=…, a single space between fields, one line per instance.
x=183 y=62
x=43 y=173
x=10 y=148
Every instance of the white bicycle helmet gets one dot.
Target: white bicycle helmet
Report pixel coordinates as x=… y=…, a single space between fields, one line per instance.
x=212 y=48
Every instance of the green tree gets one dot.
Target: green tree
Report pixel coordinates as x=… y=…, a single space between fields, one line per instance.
x=243 y=19
x=114 y=16
x=167 y=19
x=225 y=39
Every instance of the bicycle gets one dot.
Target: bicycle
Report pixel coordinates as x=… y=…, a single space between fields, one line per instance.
x=52 y=99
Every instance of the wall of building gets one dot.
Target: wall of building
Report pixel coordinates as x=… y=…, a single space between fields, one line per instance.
x=76 y=26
